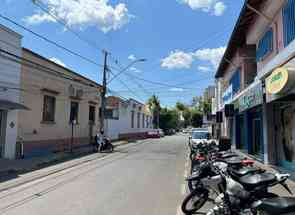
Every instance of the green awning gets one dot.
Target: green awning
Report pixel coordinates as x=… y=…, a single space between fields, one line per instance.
x=9 y=105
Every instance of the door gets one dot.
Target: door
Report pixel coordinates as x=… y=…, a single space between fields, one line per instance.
x=257 y=134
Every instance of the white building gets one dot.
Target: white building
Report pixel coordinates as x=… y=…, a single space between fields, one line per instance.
x=127 y=119
x=10 y=70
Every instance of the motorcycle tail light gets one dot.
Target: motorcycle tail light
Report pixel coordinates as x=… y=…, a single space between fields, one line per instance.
x=200 y=158
x=248 y=162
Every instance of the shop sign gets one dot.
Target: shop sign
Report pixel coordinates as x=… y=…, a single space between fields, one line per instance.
x=228 y=95
x=251 y=98
x=279 y=81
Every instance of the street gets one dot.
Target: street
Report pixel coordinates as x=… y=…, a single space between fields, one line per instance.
x=138 y=179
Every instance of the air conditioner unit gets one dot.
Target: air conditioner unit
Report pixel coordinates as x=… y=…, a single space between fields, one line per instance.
x=71 y=90
x=80 y=93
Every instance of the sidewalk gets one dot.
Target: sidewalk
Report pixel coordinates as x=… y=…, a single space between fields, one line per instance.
x=278 y=189
x=11 y=169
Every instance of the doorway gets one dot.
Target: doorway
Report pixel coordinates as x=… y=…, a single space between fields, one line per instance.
x=257 y=134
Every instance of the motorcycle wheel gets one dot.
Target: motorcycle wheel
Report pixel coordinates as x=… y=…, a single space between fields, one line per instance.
x=111 y=148
x=194 y=201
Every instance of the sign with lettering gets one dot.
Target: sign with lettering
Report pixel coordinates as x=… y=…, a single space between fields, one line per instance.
x=277 y=81
x=227 y=95
x=251 y=98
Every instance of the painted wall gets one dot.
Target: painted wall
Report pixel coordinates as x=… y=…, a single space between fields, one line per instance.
x=42 y=136
x=272 y=9
x=10 y=77
x=122 y=126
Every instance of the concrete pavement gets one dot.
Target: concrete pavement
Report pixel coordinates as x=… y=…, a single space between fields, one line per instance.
x=138 y=179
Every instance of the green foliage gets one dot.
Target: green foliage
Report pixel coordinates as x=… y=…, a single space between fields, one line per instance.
x=155 y=107
x=168 y=119
x=180 y=106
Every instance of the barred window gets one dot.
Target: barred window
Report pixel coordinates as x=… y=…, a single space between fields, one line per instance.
x=48 y=109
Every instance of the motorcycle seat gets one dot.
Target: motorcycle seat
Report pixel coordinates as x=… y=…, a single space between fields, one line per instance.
x=228 y=155
x=240 y=172
x=250 y=182
x=234 y=161
x=278 y=205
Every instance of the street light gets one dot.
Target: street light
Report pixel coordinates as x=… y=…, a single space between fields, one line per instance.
x=127 y=67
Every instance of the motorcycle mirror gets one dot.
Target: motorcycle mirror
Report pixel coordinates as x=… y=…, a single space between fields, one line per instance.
x=285 y=185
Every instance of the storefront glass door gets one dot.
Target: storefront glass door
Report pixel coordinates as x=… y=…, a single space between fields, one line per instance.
x=257 y=134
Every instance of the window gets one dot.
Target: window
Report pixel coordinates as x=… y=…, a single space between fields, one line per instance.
x=143 y=120
x=235 y=81
x=92 y=114
x=48 y=109
x=74 y=111
x=288 y=22
x=265 y=45
x=112 y=114
x=138 y=120
x=132 y=119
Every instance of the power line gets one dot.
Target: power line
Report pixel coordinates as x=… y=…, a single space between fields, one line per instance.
x=63 y=23
x=48 y=40
x=126 y=86
x=29 y=63
x=137 y=83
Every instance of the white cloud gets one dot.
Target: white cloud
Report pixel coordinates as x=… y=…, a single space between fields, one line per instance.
x=177 y=60
x=84 y=13
x=219 y=8
x=57 y=61
x=214 y=7
x=176 y=89
x=204 y=68
x=184 y=60
x=212 y=55
x=134 y=69
x=132 y=57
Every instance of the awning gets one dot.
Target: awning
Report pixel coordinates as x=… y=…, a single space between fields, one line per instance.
x=9 y=105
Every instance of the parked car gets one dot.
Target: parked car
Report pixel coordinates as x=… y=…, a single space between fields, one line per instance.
x=153 y=134
x=161 y=132
x=169 y=131
x=199 y=135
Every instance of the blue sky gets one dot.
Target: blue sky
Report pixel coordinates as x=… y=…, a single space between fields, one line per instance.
x=182 y=40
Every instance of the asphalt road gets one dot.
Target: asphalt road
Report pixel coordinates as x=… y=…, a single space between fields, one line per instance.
x=138 y=179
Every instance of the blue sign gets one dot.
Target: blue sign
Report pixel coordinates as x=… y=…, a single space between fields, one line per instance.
x=228 y=95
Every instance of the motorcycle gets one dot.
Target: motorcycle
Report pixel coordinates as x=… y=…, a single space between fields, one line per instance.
x=106 y=146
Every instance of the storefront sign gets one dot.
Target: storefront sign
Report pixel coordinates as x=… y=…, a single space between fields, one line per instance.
x=228 y=95
x=277 y=81
x=251 y=98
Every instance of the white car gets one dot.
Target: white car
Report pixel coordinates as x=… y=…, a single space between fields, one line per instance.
x=199 y=136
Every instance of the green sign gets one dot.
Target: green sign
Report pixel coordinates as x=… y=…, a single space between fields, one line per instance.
x=251 y=98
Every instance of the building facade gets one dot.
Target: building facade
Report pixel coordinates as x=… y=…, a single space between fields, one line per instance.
x=10 y=73
x=64 y=107
x=127 y=119
x=256 y=77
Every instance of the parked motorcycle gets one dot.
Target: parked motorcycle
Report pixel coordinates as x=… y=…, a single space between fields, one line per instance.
x=238 y=186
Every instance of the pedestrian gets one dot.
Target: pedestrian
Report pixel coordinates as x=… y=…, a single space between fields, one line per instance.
x=99 y=140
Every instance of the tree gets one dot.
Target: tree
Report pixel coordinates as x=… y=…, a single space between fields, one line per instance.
x=168 y=119
x=180 y=106
x=196 y=118
x=155 y=107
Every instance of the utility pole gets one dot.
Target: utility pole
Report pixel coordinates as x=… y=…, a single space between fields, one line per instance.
x=104 y=90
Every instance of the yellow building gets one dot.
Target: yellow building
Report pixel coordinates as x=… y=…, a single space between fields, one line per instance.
x=63 y=104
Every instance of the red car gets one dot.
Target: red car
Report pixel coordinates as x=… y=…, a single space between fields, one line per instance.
x=153 y=134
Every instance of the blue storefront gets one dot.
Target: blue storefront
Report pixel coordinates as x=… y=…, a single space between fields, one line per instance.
x=249 y=121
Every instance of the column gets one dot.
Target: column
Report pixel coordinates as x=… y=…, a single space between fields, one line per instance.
x=267 y=117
